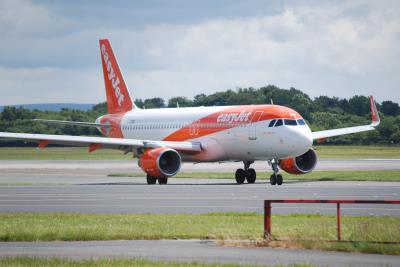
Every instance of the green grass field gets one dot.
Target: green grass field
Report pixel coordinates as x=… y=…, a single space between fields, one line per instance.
x=363 y=234
x=38 y=262
x=74 y=153
x=60 y=153
x=359 y=152
x=381 y=175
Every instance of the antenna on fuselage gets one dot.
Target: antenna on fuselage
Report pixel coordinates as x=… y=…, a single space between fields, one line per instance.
x=272 y=102
x=177 y=104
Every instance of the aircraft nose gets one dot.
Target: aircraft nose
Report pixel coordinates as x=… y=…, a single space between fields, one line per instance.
x=308 y=139
x=302 y=140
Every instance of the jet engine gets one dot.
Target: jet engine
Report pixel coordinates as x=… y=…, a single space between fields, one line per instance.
x=160 y=162
x=301 y=164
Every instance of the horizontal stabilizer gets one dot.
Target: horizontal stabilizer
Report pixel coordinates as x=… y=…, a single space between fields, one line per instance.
x=75 y=123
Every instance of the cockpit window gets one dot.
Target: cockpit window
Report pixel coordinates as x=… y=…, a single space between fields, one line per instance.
x=278 y=123
x=301 y=122
x=290 y=122
x=272 y=123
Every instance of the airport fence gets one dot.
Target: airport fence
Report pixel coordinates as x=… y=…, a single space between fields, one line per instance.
x=268 y=210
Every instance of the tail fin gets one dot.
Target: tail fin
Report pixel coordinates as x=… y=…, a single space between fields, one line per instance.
x=118 y=98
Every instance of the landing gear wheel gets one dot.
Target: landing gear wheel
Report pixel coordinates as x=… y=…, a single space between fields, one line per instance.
x=151 y=179
x=162 y=180
x=279 y=179
x=240 y=176
x=251 y=176
x=273 y=179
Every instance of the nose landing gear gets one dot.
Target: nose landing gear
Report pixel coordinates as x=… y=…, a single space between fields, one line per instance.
x=247 y=173
x=275 y=178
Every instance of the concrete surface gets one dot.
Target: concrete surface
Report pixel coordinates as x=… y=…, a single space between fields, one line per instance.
x=192 y=250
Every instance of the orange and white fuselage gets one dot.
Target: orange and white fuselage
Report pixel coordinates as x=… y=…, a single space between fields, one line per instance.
x=225 y=133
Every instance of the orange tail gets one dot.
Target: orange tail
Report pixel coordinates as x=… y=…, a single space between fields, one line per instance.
x=118 y=98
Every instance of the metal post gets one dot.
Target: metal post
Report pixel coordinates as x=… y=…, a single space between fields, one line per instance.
x=338 y=221
x=267 y=219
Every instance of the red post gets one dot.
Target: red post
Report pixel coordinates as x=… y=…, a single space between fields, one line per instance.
x=267 y=219
x=339 y=237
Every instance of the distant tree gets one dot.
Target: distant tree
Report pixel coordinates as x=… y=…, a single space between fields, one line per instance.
x=139 y=103
x=156 y=102
x=13 y=113
x=182 y=101
x=100 y=108
x=390 y=108
x=359 y=105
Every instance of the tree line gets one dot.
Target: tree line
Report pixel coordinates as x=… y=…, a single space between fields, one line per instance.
x=322 y=112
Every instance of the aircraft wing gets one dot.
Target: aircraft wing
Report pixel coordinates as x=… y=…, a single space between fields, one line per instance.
x=100 y=142
x=349 y=130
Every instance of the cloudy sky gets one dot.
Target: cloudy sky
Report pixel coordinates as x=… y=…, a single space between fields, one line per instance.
x=49 y=49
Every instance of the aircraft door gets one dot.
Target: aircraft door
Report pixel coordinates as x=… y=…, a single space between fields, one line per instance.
x=252 y=126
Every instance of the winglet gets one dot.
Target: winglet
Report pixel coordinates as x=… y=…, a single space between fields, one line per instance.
x=374 y=113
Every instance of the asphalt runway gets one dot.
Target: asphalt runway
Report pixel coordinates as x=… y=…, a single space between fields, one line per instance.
x=132 y=195
x=95 y=167
x=83 y=186
x=192 y=250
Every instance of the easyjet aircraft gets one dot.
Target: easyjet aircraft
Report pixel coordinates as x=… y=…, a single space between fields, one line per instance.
x=163 y=138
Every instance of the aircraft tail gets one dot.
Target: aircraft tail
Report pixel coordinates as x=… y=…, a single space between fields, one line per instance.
x=118 y=98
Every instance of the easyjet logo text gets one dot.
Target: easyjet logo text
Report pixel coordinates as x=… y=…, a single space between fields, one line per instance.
x=111 y=76
x=234 y=117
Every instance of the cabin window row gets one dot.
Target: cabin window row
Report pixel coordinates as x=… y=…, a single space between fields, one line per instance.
x=150 y=126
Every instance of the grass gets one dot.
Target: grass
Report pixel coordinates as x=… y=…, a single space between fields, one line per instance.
x=359 y=152
x=80 y=153
x=39 y=262
x=371 y=175
x=362 y=233
x=60 y=153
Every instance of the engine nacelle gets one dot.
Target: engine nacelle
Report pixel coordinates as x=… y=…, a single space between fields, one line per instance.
x=160 y=162
x=301 y=164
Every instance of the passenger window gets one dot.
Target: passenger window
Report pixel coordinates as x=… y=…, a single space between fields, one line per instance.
x=272 y=123
x=278 y=123
x=290 y=122
x=301 y=122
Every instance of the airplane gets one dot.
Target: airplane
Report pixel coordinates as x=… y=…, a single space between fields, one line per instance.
x=163 y=138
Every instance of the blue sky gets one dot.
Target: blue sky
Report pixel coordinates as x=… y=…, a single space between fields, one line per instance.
x=182 y=48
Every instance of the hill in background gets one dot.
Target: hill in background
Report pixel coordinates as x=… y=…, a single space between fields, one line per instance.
x=53 y=106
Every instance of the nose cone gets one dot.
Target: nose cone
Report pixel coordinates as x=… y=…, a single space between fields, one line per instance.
x=308 y=138
x=301 y=140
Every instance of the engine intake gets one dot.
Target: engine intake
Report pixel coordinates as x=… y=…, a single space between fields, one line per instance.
x=160 y=162
x=301 y=164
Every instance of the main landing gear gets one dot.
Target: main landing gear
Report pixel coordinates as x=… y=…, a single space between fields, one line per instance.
x=247 y=173
x=153 y=180
x=275 y=178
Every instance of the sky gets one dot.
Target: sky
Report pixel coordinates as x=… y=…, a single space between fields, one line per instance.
x=50 y=52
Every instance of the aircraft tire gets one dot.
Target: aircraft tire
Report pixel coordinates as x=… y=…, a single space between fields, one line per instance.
x=240 y=176
x=251 y=176
x=272 y=179
x=279 y=179
x=151 y=179
x=162 y=180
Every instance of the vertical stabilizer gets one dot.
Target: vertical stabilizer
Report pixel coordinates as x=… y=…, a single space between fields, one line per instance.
x=118 y=98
